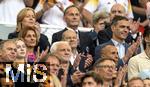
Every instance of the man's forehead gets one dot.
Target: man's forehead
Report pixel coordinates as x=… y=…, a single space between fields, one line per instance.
x=69 y=33
x=120 y=22
x=52 y=58
x=108 y=62
x=110 y=46
x=62 y=46
x=118 y=7
x=9 y=44
x=72 y=9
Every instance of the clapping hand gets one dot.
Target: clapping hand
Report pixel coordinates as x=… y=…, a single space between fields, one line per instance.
x=39 y=55
x=120 y=76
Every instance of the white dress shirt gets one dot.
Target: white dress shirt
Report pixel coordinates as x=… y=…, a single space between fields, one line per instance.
x=120 y=47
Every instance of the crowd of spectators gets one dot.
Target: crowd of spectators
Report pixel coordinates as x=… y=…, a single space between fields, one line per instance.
x=115 y=53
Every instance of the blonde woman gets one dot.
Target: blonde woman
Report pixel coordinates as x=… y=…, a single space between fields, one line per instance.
x=21 y=53
x=27 y=18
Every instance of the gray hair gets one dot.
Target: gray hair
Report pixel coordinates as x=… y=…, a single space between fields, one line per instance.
x=55 y=45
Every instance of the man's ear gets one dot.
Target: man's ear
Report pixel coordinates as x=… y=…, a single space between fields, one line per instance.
x=147 y=39
x=0 y=54
x=112 y=27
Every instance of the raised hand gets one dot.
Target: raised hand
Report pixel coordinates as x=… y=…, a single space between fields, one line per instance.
x=134 y=26
x=88 y=61
x=60 y=6
x=39 y=55
x=120 y=76
x=76 y=77
x=47 y=5
x=131 y=50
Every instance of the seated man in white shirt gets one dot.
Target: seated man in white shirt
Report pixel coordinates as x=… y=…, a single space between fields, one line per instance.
x=141 y=62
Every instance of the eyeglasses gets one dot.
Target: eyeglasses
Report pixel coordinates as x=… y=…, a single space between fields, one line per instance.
x=106 y=66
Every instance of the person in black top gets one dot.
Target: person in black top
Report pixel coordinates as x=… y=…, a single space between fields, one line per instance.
x=25 y=18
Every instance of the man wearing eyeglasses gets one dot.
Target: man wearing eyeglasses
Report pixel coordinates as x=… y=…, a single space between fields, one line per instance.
x=105 y=68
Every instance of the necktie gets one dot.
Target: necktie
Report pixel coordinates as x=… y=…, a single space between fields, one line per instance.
x=77 y=32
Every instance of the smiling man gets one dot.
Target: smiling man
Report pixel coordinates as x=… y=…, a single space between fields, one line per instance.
x=120 y=30
x=8 y=51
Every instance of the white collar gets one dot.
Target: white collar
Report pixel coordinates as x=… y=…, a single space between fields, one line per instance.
x=73 y=57
x=72 y=29
x=116 y=43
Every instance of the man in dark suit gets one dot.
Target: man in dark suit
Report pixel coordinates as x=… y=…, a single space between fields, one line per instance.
x=106 y=34
x=79 y=62
x=72 y=18
x=120 y=30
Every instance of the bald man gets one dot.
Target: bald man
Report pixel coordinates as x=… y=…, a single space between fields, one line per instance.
x=109 y=51
x=117 y=9
x=77 y=56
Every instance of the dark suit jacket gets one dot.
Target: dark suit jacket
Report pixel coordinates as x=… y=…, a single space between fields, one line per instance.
x=106 y=34
x=1 y=40
x=94 y=36
x=98 y=49
x=85 y=40
x=71 y=70
x=43 y=41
